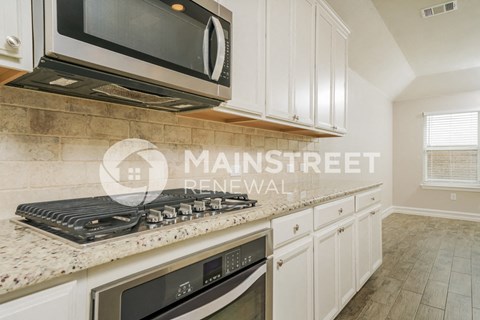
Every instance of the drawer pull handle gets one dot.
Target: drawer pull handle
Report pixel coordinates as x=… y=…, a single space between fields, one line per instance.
x=280 y=263
x=340 y=211
x=341 y=230
x=296 y=228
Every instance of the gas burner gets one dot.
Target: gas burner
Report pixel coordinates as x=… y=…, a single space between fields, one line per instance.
x=89 y=220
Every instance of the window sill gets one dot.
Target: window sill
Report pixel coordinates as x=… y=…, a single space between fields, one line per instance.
x=443 y=186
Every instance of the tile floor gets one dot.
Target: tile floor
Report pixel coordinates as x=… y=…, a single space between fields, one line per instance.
x=430 y=270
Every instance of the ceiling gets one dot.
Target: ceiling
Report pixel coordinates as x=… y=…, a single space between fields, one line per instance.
x=439 y=44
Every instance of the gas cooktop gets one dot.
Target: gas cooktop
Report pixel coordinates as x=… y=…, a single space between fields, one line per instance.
x=90 y=220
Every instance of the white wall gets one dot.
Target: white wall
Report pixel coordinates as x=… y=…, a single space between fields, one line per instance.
x=408 y=154
x=369 y=130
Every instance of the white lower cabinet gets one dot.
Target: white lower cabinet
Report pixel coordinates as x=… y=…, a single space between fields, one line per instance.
x=334 y=250
x=63 y=302
x=364 y=247
x=377 y=255
x=293 y=281
x=293 y=266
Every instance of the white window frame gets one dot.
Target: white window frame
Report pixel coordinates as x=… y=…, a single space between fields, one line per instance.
x=450 y=184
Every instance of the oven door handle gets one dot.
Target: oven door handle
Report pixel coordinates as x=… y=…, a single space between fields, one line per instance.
x=221 y=50
x=220 y=303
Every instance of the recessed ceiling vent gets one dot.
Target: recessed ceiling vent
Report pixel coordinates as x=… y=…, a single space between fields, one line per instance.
x=439 y=9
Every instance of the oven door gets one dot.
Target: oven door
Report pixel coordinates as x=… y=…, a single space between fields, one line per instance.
x=246 y=296
x=180 y=44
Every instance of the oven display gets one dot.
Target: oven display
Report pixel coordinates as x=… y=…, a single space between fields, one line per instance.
x=212 y=270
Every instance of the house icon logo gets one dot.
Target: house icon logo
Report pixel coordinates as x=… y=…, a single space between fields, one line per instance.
x=135 y=167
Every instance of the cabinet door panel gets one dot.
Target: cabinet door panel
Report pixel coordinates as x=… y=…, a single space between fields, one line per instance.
x=279 y=36
x=364 y=248
x=326 y=274
x=293 y=281
x=346 y=253
x=248 y=55
x=304 y=64
x=324 y=91
x=340 y=87
x=376 y=238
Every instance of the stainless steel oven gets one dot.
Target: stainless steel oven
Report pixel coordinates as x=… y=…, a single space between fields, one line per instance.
x=182 y=45
x=230 y=281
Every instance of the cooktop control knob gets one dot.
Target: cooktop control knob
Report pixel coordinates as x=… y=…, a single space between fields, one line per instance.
x=216 y=204
x=199 y=206
x=185 y=209
x=154 y=216
x=169 y=212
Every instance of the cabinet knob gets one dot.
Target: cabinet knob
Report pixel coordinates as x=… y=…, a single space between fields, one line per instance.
x=341 y=230
x=296 y=118
x=334 y=127
x=373 y=212
x=340 y=211
x=280 y=263
x=13 y=42
x=373 y=198
x=296 y=228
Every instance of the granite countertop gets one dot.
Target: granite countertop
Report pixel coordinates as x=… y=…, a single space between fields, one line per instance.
x=28 y=257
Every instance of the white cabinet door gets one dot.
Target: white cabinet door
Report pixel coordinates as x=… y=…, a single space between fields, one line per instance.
x=16 y=35
x=324 y=87
x=248 y=55
x=326 y=273
x=293 y=281
x=364 y=248
x=340 y=84
x=57 y=303
x=376 y=238
x=346 y=261
x=279 y=43
x=304 y=61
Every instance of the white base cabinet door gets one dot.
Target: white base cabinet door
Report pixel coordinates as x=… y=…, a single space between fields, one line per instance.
x=376 y=238
x=346 y=261
x=364 y=248
x=63 y=302
x=293 y=281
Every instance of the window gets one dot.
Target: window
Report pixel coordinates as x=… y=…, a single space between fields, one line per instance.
x=451 y=148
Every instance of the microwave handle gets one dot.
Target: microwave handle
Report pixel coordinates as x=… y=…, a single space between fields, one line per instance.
x=217 y=70
x=206 y=48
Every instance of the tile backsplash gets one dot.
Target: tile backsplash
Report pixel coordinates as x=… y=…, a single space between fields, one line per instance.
x=51 y=146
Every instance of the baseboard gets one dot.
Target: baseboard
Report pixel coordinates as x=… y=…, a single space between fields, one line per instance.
x=458 y=215
x=388 y=212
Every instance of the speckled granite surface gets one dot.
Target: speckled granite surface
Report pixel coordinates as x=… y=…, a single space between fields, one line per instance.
x=28 y=257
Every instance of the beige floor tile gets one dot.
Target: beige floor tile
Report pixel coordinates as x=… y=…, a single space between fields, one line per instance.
x=387 y=292
x=416 y=281
x=374 y=311
x=458 y=307
x=461 y=284
x=435 y=294
x=406 y=305
x=428 y=313
x=476 y=314
x=462 y=265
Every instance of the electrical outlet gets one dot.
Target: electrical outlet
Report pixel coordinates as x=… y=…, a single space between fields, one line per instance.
x=453 y=196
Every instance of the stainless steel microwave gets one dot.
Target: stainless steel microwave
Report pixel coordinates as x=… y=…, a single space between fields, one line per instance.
x=147 y=52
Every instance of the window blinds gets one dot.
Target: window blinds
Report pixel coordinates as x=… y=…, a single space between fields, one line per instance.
x=451 y=147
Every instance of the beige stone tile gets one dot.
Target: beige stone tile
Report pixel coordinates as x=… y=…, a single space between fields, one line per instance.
x=223 y=138
x=33 y=99
x=293 y=145
x=461 y=284
x=428 y=313
x=458 y=307
x=462 y=250
x=282 y=144
x=87 y=107
x=159 y=116
x=374 y=311
x=476 y=314
x=435 y=294
x=249 y=130
x=152 y=132
x=57 y=123
x=13 y=119
x=57 y=174
x=462 y=265
x=241 y=140
x=388 y=291
x=406 y=305
x=29 y=148
x=14 y=175
x=83 y=149
x=119 y=111
x=174 y=134
x=476 y=291
x=257 y=141
x=190 y=122
x=218 y=126
x=400 y=270
x=203 y=136
x=99 y=127
x=441 y=274
x=416 y=281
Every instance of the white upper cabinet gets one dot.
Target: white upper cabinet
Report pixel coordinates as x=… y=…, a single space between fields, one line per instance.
x=248 y=55
x=331 y=71
x=290 y=60
x=15 y=35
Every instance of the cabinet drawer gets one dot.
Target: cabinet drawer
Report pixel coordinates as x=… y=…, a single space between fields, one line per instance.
x=333 y=211
x=367 y=199
x=291 y=227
